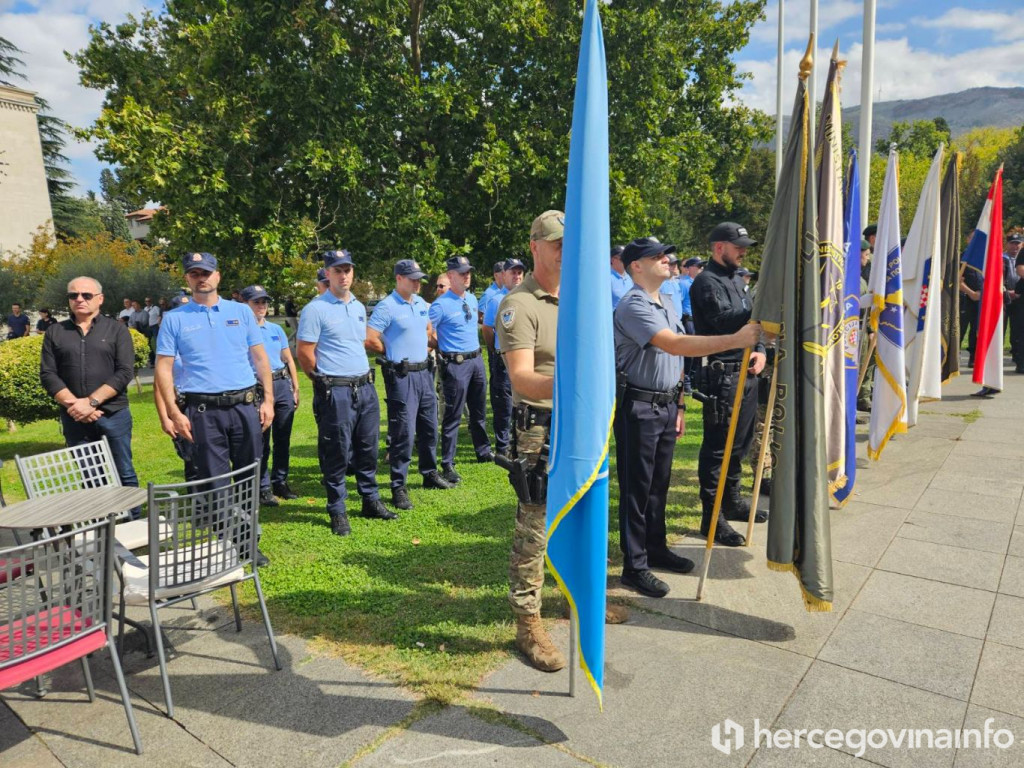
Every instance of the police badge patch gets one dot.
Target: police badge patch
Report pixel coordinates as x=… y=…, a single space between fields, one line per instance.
x=508 y=317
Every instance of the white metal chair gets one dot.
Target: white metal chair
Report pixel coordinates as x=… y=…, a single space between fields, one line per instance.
x=211 y=545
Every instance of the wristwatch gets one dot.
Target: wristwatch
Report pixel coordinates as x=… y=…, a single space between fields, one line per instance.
x=94 y=402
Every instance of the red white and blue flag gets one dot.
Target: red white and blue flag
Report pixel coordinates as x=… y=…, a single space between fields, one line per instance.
x=985 y=254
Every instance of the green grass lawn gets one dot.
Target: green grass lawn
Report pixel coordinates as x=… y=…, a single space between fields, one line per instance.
x=421 y=600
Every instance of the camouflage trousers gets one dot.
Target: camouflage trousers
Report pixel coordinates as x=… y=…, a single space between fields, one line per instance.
x=868 y=387
x=529 y=541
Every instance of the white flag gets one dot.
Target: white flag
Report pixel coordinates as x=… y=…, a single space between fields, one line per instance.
x=922 y=293
x=889 y=401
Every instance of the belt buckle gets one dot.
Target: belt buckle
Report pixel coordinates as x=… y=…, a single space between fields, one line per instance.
x=460 y=358
x=717 y=365
x=249 y=396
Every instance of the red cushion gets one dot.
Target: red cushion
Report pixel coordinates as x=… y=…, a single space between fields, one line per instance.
x=15 y=565
x=49 y=627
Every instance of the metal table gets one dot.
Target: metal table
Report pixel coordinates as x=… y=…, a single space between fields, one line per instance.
x=71 y=507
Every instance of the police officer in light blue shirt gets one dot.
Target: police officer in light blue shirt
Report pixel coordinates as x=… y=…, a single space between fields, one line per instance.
x=621 y=281
x=454 y=317
x=221 y=347
x=285 y=395
x=501 y=385
x=496 y=288
x=331 y=351
x=400 y=329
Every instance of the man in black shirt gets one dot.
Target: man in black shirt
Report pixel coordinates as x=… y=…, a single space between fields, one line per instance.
x=721 y=307
x=87 y=364
x=17 y=322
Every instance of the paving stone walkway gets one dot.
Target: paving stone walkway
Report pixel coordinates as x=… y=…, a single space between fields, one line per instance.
x=927 y=631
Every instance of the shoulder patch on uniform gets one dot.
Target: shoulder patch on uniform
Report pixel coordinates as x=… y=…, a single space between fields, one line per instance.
x=508 y=317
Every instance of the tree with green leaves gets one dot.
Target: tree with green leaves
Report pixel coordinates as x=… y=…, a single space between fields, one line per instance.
x=273 y=130
x=920 y=138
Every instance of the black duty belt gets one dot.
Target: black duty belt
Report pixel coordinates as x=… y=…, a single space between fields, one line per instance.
x=403 y=366
x=651 y=396
x=724 y=367
x=459 y=357
x=220 y=399
x=347 y=381
x=687 y=318
x=281 y=373
x=528 y=416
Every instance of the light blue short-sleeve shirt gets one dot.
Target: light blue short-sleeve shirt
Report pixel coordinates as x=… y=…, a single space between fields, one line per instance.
x=620 y=286
x=213 y=343
x=491 y=312
x=274 y=341
x=402 y=326
x=338 y=328
x=685 y=283
x=455 y=321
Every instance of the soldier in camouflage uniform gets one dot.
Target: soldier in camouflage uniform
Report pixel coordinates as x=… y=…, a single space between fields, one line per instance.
x=526 y=325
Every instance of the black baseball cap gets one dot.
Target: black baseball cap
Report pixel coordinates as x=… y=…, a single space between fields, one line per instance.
x=514 y=264
x=1015 y=238
x=869 y=230
x=731 y=232
x=617 y=250
x=336 y=258
x=409 y=268
x=694 y=262
x=499 y=266
x=644 y=247
x=253 y=292
x=460 y=264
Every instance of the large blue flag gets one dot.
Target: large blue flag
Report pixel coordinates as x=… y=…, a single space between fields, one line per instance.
x=584 y=401
x=851 y=321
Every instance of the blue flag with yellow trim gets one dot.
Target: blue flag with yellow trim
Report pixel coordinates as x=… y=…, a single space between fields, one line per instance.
x=584 y=392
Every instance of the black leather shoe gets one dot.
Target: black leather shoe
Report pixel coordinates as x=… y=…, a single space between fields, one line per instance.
x=735 y=507
x=863 y=405
x=766 y=486
x=487 y=458
x=645 y=582
x=505 y=454
x=450 y=475
x=282 y=491
x=985 y=392
x=725 y=534
x=340 y=525
x=267 y=499
x=262 y=561
x=374 y=508
x=669 y=561
x=434 y=480
x=400 y=498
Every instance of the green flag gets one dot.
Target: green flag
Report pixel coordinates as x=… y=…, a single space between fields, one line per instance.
x=949 y=222
x=788 y=304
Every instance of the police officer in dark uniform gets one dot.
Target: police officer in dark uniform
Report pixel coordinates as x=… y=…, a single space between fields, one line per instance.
x=400 y=329
x=722 y=306
x=650 y=343
x=454 y=316
x=332 y=352
x=501 y=386
x=222 y=354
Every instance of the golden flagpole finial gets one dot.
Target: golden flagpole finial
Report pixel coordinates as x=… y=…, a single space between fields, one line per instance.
x=807 y=62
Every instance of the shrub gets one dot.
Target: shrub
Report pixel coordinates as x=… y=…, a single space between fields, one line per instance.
x=22 y=397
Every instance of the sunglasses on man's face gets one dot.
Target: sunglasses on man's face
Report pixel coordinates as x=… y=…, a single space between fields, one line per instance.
x=72 y=296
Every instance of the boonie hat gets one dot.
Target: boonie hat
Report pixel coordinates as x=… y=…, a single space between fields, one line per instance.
x=514 y=264
x=549 y=226
x=409 y=268
x=459 y=264
x=206 y=261
x=731 y=232
x=336 y=258
x=253 y=292
x=643 y=247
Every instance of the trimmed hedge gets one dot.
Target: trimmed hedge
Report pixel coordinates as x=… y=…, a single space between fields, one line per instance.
x=22 y=397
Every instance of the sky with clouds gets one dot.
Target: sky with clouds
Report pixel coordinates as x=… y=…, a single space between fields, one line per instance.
x=922 y=48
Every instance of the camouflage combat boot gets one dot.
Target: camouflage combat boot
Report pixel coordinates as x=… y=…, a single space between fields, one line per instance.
x=533 y=640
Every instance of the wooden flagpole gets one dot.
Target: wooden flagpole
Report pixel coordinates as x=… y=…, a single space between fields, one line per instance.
x=765 y=439
x=730 y=438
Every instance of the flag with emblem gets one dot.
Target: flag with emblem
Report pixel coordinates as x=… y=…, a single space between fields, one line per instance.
x=788 y=305
x=986 y=246
x=889 y=399
x=828 y=156
x=851 y=323
x=922 y=290
x=584 y=390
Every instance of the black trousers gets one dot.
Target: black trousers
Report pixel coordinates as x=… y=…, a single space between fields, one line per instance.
x=712 y=450
x=281 y=431
x=501 y=403
x=412 y=413
x=464 y=384
x=348 y=430
x=1015 y=312
x=969 y=323
x=645 y=438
